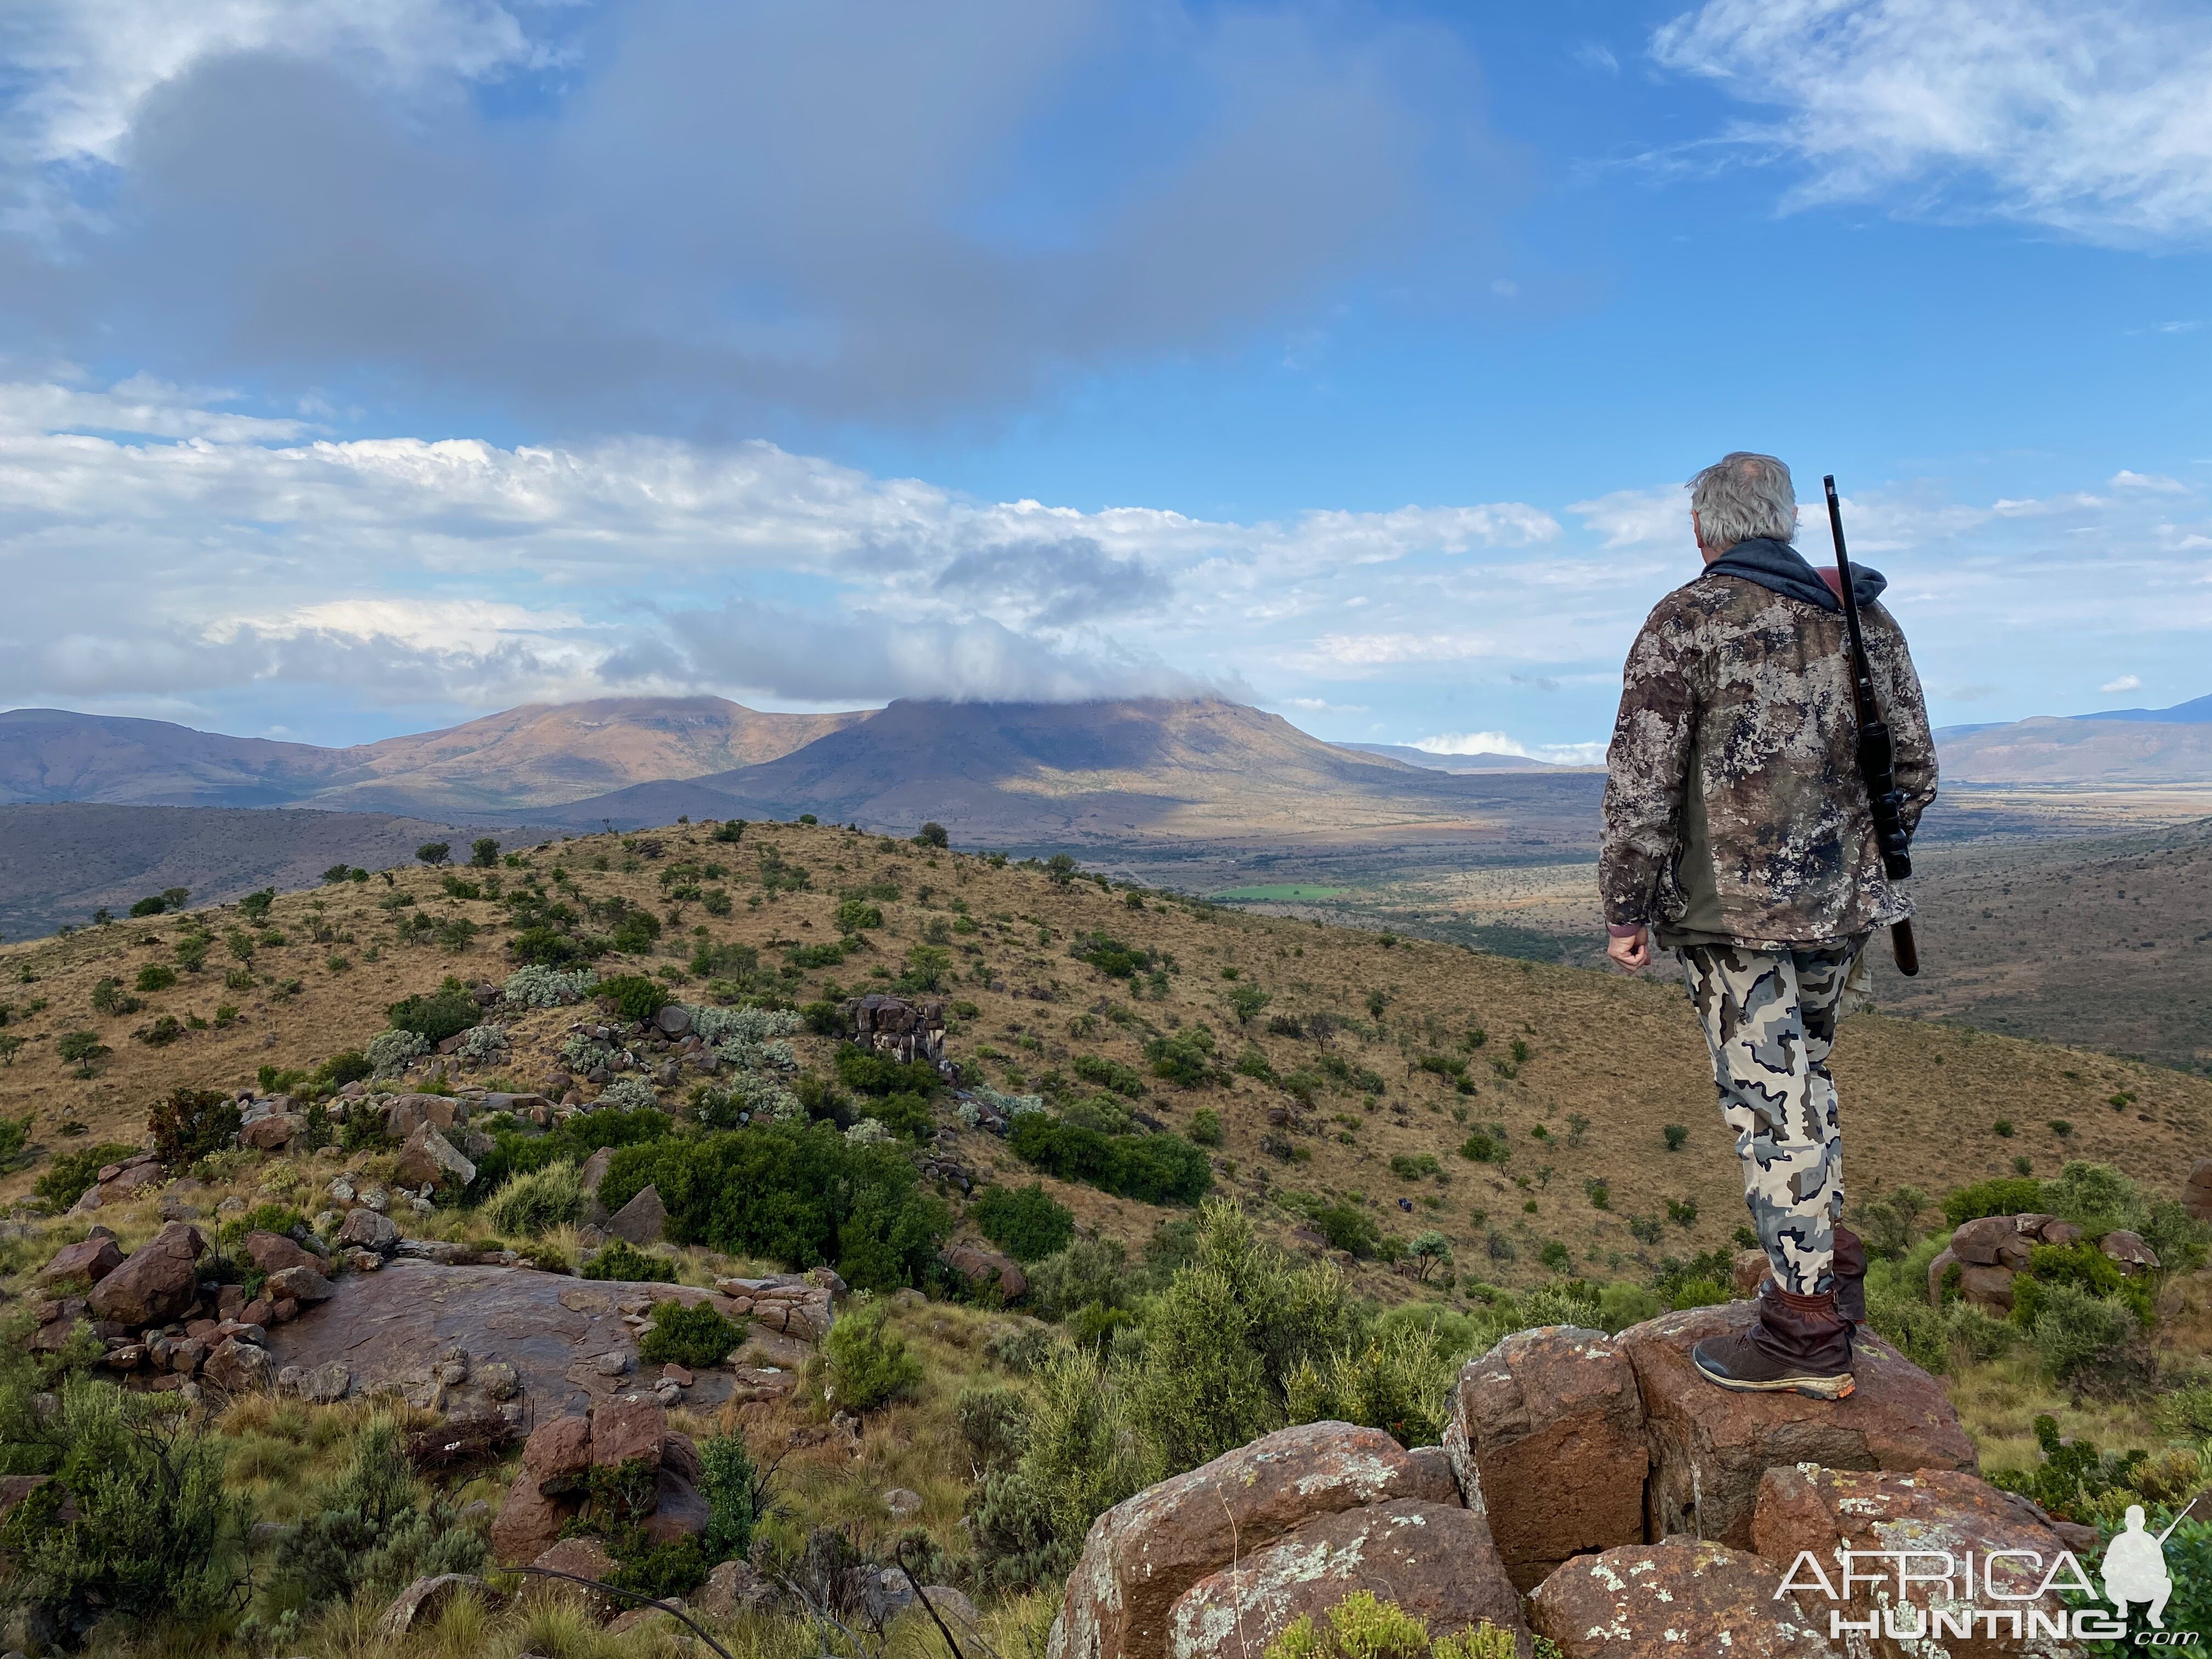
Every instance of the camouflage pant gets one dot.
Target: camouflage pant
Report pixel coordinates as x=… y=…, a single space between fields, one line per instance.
x=1769 y=1018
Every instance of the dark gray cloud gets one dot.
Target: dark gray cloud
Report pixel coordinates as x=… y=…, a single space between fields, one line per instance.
x=1053 y=583
x=850 y=208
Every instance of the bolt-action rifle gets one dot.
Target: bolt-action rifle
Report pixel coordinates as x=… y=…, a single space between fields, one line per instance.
x=1877 y=754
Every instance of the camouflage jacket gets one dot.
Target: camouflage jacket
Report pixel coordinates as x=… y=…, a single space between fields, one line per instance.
x=1733 y=805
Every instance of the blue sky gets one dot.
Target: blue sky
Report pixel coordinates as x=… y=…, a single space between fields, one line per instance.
x=370 y=364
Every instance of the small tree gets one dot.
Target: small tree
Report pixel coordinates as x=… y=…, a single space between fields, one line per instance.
x=1676 y=1134
x=1061 y=868
x=434 y=852
x=175 y=897
x=932 y=835
x=1431 y=1251
x=483 y=854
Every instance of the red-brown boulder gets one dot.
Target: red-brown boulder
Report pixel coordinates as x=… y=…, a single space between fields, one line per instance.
x=1435 y=1560
x=157 y=1282
x=558 y=1455
x=1709 y=1447
x=982 y=1268
x=1141 y=1555
x=1548 y=1427
x=529 y=1523
x=628 y=1430
x=1820 y=1512
x=1686 y=1598
x=272 y=1253
x=90 y=1259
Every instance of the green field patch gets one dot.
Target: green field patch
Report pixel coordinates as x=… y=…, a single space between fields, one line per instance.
x=1287 y=892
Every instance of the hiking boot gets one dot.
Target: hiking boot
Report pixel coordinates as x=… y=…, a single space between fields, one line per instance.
x=1798 y=1344
x=1849 y=1269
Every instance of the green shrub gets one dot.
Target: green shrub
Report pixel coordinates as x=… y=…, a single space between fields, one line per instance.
x=572 y=1141
x=877 y=1075
x=797 y=1192
x=1089 y=1272
x=530 y=1203
x=372 y=1530
x=134 y=1525
x=66 y=1180
x=156 y=976
x=1205 y=1128
x=2007 y=1195
x=2081 y=1337
x=736 y=1493
x=1109 y=1074
x=2083 y=1266
x=2072 y=1474
x=1026 y=1222
x=1414 y=1166
x=14 y=1135
x=1347 y=1227
x=620 y=1259
x=435 y=1015
x=2096 y=1198
x=633 y=996
x=191 y=1123
x=1184 y=1058
x=1226 y=1337
x=863 y=1365
x=1622 y=1304
x=1152 y=1168
x=695 y=1336
x=853 y=915
x=1362 y=1628
x=1399 y=1381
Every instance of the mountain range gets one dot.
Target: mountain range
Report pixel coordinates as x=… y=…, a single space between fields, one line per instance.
x=2116 y=746
x=1422 y=758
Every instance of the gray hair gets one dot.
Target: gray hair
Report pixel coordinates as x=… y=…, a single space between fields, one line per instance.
x=1744 y=495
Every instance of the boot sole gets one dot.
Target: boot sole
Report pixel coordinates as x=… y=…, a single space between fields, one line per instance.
x=1813 y=1388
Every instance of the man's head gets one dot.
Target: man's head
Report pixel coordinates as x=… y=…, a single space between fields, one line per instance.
x=1742 y=496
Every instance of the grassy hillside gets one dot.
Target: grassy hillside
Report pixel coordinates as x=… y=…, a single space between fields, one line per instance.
x=1577 y=1075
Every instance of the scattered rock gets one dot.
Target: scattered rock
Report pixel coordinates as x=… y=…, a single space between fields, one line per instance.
x=303 y=1286
x=428 y=1159
x=1434 y=1560
x=157 y=1282
x=529 y=1523
x=238 y=1367
x=2129 y=1250
x=900 y=1503
x=273 y=1133
x=558 y=1455
x=1548 y=1439
x=425 y=1600
x=678 y=1511
x=1987 y=1287
x=643 y=1220
x=499 y=1381
x=579 y=1558
x=2197 y=1196
x=410 y=1112
x=272 y=1253
x=983 y=1268
x=1687 y=1598
x=366 y=1230
x=324 y=1384
x=733 y=1587
x=1141 y=1555
x=91 y=1260
x=950 y=1605
x=1710 y=1446
x=674 y=1020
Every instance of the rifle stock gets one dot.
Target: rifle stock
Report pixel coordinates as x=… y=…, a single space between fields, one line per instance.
x=1877 y=754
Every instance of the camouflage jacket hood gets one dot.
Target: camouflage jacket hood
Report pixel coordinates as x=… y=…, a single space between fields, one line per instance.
x=1733 y=772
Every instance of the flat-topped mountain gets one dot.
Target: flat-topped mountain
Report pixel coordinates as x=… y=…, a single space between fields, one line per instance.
x=1139 y=768
x=1479 y=763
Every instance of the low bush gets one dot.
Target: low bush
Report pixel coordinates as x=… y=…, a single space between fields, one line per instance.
x=1109 y=1074
x=1152 y=1168
x=1205 y=1128
x=2084 y=1338
x=436 y=1015
x=1184 y=1058
x=1027 y=1223
x=622 y=1261
x=633 y=996
x=863 y=1365
x=374 y=1530
x=694 y=1336
x=797 y=1192
x=1362 y=1628
x=572 y=1141
x=2007 y=1195
x=191 y=1123
x=534 y=1201
x=736 y=1492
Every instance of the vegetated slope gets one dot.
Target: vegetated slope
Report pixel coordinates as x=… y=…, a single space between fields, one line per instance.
x=54 y=755
x=60 y=863
x=1575 y=1078
x=543 y=754
x=2098 y=940
x=1422 y=758
x=1138 y=769
x=527 y=756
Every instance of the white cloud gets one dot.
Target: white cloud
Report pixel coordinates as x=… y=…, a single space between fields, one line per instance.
x=2157 y=482
x=1473 y=743
x=2086 y=116
x=2125 y=682
x=1626 y=517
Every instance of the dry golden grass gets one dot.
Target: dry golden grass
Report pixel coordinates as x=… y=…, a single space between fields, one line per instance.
x=1620 y=1058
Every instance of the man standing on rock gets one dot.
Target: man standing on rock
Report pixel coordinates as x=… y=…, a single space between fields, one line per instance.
x=1737 y=834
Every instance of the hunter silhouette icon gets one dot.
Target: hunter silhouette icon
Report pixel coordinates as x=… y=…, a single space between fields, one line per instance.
x=2134 y=1566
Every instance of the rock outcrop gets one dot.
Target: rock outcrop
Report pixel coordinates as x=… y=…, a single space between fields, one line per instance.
x=628 y=1432
x=1142 y=1555
x=157 y=1281
x=1548 y=1440
x=1687 y=1598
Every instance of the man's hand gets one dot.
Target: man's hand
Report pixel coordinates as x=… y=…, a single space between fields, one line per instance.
x=1633 y=952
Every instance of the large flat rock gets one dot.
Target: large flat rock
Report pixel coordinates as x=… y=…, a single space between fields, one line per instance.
x=1691 y=1599
x=390 y=1327
x=1710 y=1446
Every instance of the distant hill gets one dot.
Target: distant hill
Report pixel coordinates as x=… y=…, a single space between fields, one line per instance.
x=1136 y=769
x=60 y=862
x=1411 y=756
x=525 y=757
x=2120 y=745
